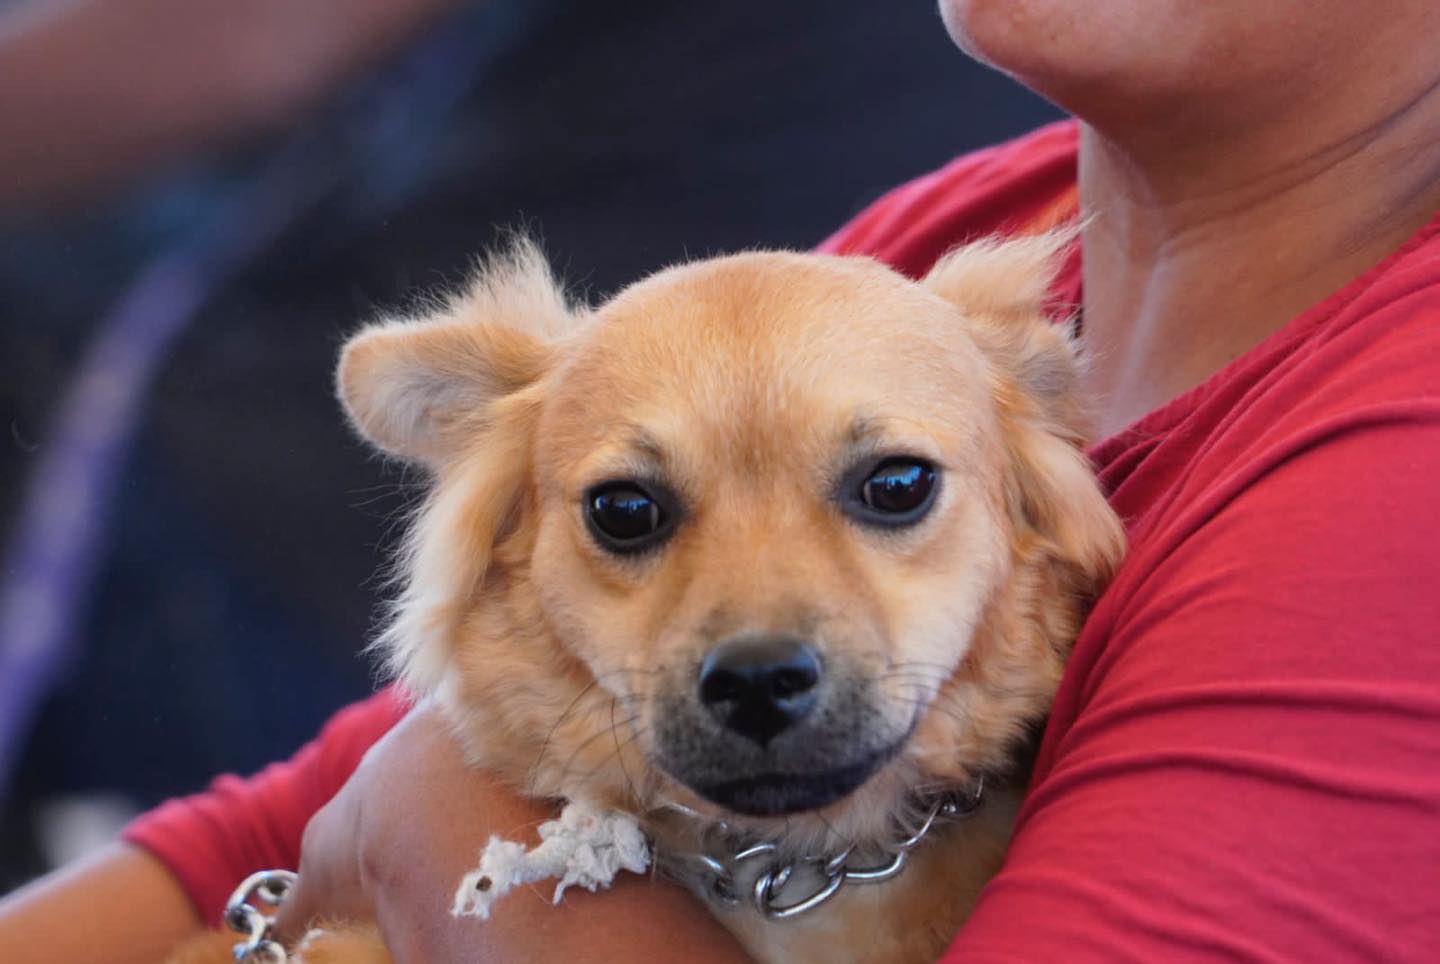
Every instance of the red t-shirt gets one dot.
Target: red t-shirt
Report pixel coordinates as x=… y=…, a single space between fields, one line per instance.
x=1244 y=757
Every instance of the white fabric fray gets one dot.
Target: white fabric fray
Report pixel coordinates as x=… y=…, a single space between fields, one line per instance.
x=585 y=847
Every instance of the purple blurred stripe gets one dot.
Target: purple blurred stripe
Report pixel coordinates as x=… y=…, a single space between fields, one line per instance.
x=58 y=540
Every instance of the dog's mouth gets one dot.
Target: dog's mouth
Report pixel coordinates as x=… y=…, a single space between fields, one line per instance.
x=778 y=794
x=821 y=760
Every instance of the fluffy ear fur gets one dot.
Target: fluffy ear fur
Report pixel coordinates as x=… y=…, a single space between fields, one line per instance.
x=449 y=550
x=417 y=387
x=1002 y=287
x=459 y=392
x=1002 y=277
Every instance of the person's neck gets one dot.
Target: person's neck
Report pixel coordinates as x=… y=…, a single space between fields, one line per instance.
x=1199 y=247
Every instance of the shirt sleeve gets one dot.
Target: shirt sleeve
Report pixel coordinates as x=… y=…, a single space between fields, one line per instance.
x=213 y=840
x=1251 y=770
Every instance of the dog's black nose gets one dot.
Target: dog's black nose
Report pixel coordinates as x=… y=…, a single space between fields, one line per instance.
x=760 y=687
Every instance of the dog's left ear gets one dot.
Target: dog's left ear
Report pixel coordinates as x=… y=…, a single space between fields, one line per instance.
x=459 y=392
x=1002 y=288
x=420 y=388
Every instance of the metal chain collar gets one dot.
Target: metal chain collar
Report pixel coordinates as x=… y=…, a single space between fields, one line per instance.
x=268 y=888
x=769 y=893
x=775 y=892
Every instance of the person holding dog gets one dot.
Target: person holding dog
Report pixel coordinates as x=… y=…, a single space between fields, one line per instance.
x=1240 y=760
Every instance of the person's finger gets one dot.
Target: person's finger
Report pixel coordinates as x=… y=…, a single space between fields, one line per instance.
x=295 y=914
x=323 y=892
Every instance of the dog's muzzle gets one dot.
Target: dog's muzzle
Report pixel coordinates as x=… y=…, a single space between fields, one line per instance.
x=767 y=727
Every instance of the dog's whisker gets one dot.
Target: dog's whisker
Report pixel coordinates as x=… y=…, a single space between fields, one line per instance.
x=606 y=761
x=906 y=663
x=909 y=672
x=570 y=711
x=921 y=700
x=545 y=745
x=915 y=690
x=620 y=757
x=600 y=733
x=937 y=669
x=830 y=831
x=575 y=754
x=915 y=674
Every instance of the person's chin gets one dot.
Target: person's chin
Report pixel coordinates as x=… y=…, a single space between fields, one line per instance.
x=1068 y=53
x=1007 y=35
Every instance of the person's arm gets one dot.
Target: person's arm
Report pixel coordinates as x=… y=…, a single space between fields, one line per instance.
x=121 y=906
x=1246 y=769
x=412 y=821
x=95 y=91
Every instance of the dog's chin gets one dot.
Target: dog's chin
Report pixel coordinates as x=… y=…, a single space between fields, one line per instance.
x=779 y=794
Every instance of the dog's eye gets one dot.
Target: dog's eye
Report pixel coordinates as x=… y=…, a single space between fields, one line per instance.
x=897 y=492
x=624 y=517
x=898 y=487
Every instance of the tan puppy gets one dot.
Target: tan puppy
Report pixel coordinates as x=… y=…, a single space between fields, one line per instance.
x=788 y=540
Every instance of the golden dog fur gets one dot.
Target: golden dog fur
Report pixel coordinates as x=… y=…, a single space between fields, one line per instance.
x=750 y=385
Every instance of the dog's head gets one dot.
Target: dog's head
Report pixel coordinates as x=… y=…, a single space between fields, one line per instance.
x=771 y=533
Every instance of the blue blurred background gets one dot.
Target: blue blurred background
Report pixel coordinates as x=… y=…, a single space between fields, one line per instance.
x=198 y=200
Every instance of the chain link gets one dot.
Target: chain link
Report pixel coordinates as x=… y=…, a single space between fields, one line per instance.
x=773 y=893
x=242 y=915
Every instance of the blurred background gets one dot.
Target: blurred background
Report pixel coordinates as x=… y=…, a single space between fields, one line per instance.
x=199 y=199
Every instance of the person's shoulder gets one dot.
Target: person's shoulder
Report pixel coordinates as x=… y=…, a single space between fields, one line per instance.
x=1020 y=186
x=1397 y=303
x=1327 y=429
x=1376 y=348
x=1362 y=359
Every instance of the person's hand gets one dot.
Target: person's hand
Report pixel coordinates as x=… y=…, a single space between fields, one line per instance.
x=395 y=841
x=391 y=845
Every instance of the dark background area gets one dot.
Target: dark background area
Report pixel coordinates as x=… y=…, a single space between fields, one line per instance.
x=235 y=579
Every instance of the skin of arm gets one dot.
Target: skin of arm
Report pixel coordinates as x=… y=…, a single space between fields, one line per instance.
x=96 y=91
x=412 y=820
x=120 y=907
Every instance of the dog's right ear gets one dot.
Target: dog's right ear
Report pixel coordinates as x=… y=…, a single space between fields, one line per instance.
x=1002 y=287
x=419 y=388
